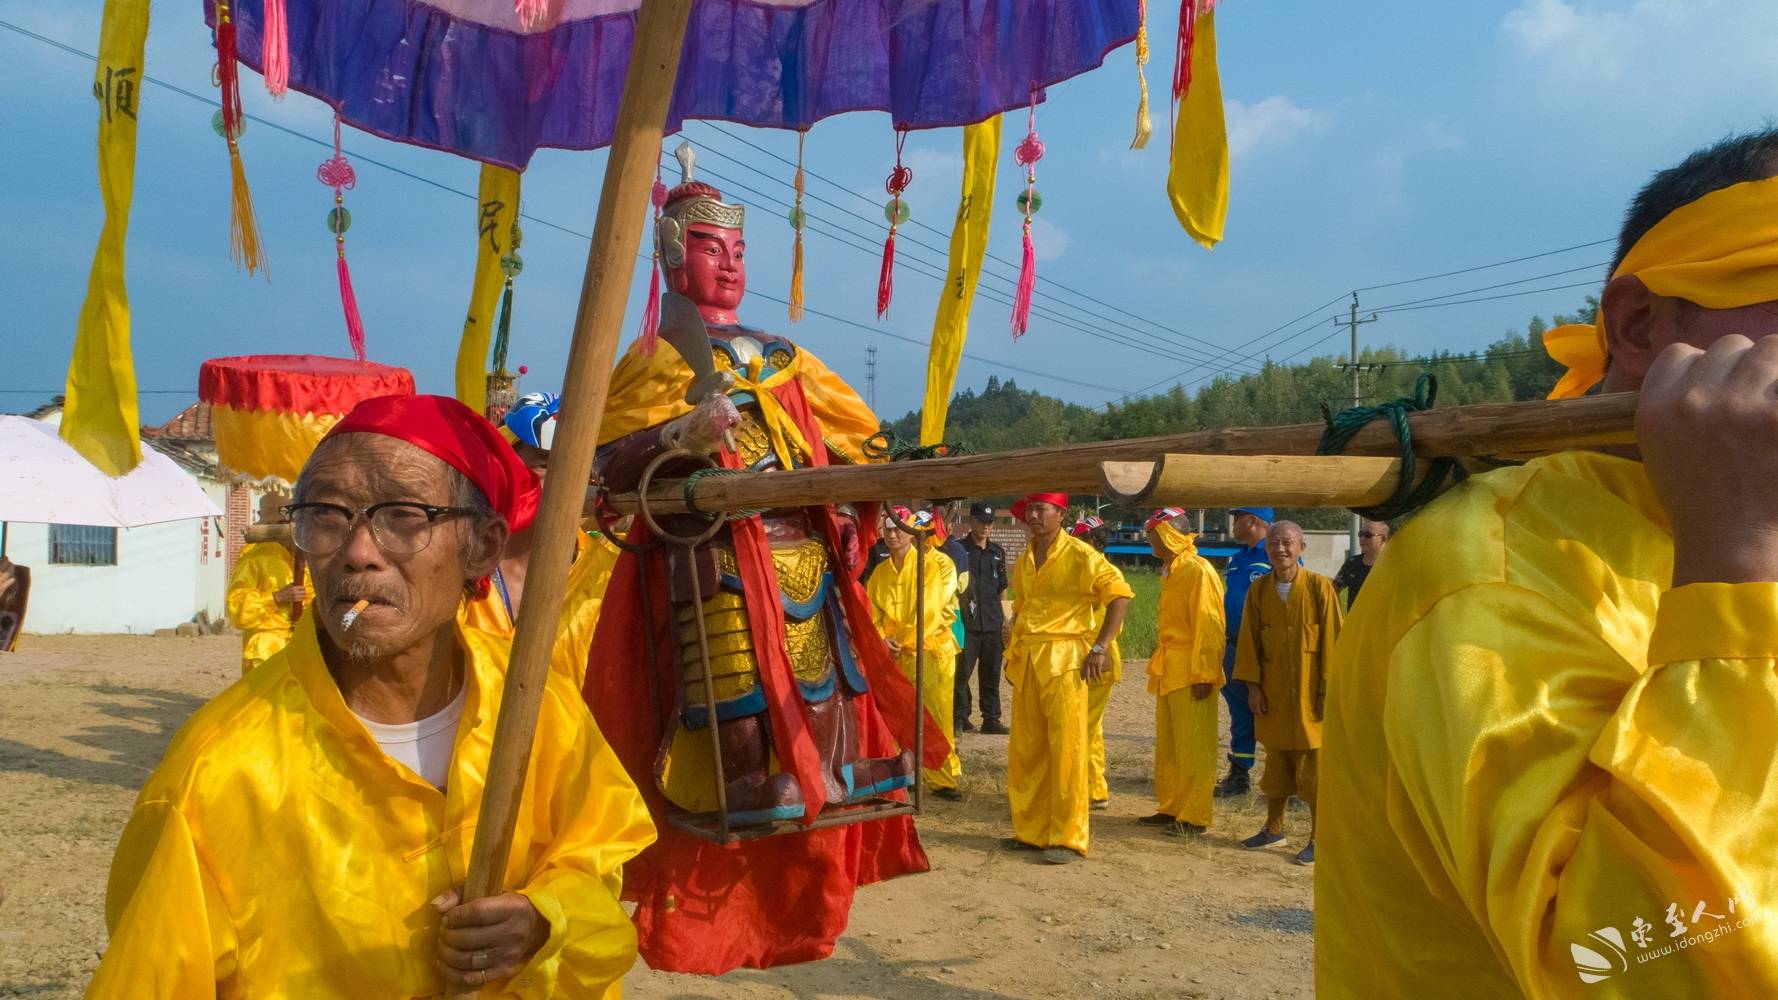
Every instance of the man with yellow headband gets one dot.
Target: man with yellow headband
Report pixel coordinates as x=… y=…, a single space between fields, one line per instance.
x=1552 y=751
x=1183 y=673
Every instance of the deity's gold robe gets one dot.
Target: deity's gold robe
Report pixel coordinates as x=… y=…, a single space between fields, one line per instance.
x=1189 y=652
x=1543 y=760
x=261 y=570
x=892 y=590
x=277 y=851
x=1047 y=764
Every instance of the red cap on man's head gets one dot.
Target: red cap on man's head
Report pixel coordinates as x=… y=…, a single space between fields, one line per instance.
x=459 y=437
x=1057 y=500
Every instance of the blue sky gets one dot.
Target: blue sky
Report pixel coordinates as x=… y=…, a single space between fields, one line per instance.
x=1372 y=143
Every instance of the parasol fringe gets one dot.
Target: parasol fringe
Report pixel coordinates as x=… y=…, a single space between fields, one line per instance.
x=1021 y=300
x=275 y=56
x=503 y=329
x=796 y=253
x=1144 y=124
x=651 y=313
x=886 y=277
x=531 y=12
x=349 y=302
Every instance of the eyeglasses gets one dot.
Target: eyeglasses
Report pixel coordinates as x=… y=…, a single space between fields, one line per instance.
x=399 y=527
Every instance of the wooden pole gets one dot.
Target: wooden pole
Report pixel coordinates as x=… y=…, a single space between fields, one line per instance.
x=1273 y=480
x=1503 y=429
x=598 y=326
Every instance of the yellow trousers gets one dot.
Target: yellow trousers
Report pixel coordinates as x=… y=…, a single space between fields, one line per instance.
x=1098 y=696
x=939 y=679
x=1185 y=755
x=1046 y=761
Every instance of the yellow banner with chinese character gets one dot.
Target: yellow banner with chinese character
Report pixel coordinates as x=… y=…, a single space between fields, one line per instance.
x=99 y=418
x=1198 y=175
x=496 y=209
x=969 y=241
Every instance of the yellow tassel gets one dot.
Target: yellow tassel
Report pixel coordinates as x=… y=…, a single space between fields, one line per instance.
x=1144 y=125
x=243 y=244
x=796 y=259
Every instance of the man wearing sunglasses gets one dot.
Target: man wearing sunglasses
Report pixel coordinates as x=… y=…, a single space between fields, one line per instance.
x=1372 y=536
x=308 y=832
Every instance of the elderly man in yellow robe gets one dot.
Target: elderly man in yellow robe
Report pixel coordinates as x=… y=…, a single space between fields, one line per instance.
x=893 y=586
x=530 y=427
x=1288 y=628
x=1054 y=650
x=1553 y=746
x=308 y=831
x=1183 y=675
x=264 y=597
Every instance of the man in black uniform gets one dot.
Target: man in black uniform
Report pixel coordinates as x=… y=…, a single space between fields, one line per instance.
x=982 y=619
x=1372 y=536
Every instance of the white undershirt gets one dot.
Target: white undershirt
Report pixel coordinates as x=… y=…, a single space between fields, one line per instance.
x=425 y=744
x=1284 y=591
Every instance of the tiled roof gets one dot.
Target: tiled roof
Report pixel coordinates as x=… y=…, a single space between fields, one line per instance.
x=190 y=424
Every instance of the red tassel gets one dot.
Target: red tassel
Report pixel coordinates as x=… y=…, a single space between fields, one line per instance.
x=228 y=70
x=651 y=313
x=275 y=56
x=1182 y=55
x=349 y=302
x=886 y=278
x=1021 y=299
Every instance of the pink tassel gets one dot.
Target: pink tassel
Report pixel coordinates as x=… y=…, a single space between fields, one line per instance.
x=348 y=301
x=1182 y=54
x=275 y=56
x=1021 y=299
x=651 y=314
x=531 y=12
x=886 y=277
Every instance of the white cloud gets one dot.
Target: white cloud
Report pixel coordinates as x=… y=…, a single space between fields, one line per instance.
x=1271 y=121
x=1048 y=241
x=1641 y=42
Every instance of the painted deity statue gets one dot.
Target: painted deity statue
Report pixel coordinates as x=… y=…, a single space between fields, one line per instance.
x=811 y=712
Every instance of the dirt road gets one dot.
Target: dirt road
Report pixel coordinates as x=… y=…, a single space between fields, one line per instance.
x=84 y=719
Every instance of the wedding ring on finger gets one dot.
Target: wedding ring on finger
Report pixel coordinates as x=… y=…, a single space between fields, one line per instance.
x=479 y=960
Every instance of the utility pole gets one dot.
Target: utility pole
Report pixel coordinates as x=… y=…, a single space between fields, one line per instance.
x=1354 y=323
x=870 y=376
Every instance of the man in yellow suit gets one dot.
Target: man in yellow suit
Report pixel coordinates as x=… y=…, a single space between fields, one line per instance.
x=264 y=597
x=530 y=427
x=892 y=587
x=1053 y=652
x=1288 y=630
x=1553 y=733
x=1091 y=529
x=308 y=831
x=1183 y=675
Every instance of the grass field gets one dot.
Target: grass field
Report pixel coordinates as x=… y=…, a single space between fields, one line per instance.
x=1140 y=633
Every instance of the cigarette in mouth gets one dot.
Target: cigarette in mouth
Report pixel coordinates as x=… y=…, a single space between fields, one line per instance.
x=351 y=616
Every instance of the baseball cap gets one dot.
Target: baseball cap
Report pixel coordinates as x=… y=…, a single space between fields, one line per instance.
x=1263 y=513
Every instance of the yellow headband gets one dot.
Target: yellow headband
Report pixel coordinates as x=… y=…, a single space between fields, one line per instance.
x=1719 y=252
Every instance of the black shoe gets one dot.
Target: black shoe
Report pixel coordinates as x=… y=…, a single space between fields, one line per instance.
x=1061 y=856
x=964 y=727
x=994 y=728
x=1015 y=844
x=1157 y=819
x=1180 y=828
x=1236 y=782
x=949 y=794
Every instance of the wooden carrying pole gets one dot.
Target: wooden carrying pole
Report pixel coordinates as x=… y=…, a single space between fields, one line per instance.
x=1275 y=480
x=1503 y=429
x=598 y=325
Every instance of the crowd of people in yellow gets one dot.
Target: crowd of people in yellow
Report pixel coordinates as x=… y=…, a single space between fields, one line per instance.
x=1541 y=750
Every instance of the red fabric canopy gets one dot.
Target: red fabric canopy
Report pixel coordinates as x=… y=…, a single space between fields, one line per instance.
x=298 y=383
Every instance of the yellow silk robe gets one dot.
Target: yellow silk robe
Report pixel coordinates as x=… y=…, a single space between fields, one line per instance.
x=263 y=569
x=1284 y=649
x=892 y=590
x=277 y=851
x=1047 y=763
x=1098 y=697
x=1189 y=652
x=1535 y=743
x=596 y=557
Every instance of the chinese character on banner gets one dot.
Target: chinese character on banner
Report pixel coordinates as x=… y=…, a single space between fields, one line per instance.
x=1639 y=932
x=204 y=540
x=1679 y=927
x=1699 y=912
x=117 y=92
x=489 y=223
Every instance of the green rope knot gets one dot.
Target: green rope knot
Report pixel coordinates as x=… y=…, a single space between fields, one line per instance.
x=884 y=444
x=691 y=484
x=1409 y=495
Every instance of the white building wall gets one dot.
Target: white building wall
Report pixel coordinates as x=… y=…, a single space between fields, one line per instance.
x=158 y=582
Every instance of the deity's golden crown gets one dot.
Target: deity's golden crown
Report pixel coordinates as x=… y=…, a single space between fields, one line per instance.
x=702 y=203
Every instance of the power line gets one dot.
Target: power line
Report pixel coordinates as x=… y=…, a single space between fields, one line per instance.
x=1489 y=288
x=1490 y=298
x=326 y=143
x=1482 y=267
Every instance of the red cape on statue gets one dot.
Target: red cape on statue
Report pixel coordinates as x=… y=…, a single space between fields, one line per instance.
x=706 y=908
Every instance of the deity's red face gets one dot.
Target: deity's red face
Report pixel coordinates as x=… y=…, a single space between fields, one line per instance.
x=714 y=276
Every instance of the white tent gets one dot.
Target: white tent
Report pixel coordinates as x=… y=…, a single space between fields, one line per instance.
x=44 y=481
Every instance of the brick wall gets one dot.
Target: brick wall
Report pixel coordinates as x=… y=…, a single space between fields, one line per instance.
x=240 y=515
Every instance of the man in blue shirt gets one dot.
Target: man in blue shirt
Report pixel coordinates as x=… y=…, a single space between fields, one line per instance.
x=1244 y=567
